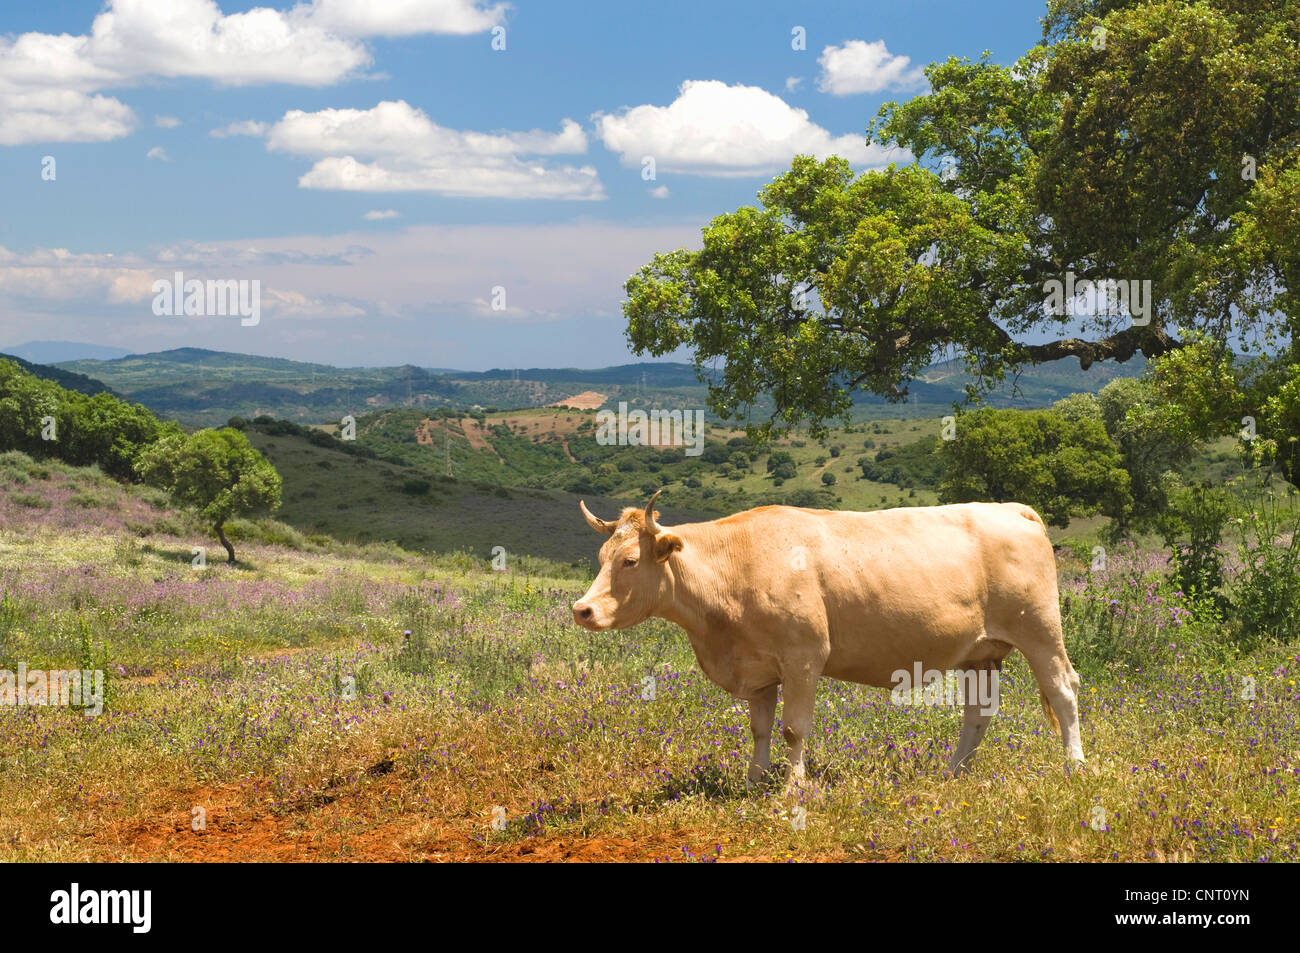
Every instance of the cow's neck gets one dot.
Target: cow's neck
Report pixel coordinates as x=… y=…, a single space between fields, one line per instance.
x=698 y=590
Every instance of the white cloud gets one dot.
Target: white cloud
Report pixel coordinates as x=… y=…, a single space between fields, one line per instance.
x=862 y=67
x=193 y=38
x=48 y=277
x=48 y=82
x=716 y=129
x=792 y=83
x=54 y=275
x=294 y=304
x=245 y=127
x=159 y=153
x=547 y=270
x=659 y=193
x=379 y=216
x=61 y=115
x=402 y=150
x=404 y=17
x=166 y=122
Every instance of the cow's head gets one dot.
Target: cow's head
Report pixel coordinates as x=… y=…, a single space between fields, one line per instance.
x=634 y=576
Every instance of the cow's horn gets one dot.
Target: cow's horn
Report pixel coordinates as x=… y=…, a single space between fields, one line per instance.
x=651 y=526
x=595 y=522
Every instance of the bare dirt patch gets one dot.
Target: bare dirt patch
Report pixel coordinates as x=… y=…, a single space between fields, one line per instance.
x=243 y=825
x=469 y=429
x=587 y=400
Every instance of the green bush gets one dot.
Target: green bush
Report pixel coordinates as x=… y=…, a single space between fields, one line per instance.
x=1193 y=530
x=1266 y=591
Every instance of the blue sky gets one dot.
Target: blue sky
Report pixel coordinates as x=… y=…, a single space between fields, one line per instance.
x=481 y=169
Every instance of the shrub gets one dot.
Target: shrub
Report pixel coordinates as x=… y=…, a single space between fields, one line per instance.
x=1266 y=593
x=1193 y=530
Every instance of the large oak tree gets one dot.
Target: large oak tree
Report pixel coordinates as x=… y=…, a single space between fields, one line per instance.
x=1142 y=140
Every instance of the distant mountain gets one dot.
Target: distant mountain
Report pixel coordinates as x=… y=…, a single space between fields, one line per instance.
x=200 y=387
x=56 y=352
x=652 y=375
x=67 y=379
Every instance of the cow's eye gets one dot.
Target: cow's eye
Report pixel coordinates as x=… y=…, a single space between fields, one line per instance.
x=630 y=562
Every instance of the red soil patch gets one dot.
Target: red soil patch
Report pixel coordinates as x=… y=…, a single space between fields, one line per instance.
x=243 y=825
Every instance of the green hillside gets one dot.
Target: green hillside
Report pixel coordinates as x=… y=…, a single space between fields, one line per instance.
x=204 y=388
x=358 y=499
x=557 y=449
x=61 y=376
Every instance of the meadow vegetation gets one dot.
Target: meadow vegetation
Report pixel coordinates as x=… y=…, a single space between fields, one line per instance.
x=320 y=700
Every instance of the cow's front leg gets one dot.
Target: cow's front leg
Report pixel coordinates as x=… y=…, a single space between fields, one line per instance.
x=762 y=715
x=800 y=698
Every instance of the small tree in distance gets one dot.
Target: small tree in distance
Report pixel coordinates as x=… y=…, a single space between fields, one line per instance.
x=216 y=472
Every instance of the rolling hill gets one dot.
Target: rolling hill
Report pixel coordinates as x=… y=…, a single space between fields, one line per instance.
x=200 y=387
x=64 y=378
x=355 y=498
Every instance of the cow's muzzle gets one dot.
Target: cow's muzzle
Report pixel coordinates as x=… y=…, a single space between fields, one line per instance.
x=584 y=615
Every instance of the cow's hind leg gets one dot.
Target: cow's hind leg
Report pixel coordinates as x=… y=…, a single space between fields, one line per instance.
x=762 y=715
x=1058 y=685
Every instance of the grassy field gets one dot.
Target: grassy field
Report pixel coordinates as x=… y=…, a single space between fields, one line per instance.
x=276 y=709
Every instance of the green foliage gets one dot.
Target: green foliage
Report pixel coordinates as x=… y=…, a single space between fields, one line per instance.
x=101 y=429
x=1266 y=592
x=1281 y=421
x=1194 y=393
x=215 y=472
x=780 y=458
x=1119 y=161
x=109 y=432
x=1143 y=166
x=25 y=401
x=1154 y=443
x=1035 y=457
x=913 y=464
x=1193 y=530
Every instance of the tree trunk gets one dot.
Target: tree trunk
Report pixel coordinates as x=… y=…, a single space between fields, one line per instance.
x=230 y=550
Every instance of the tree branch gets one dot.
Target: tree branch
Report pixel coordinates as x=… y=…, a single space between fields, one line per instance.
x=1151 y=340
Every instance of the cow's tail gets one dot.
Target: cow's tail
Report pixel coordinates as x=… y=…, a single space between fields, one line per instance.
x=1051 y=715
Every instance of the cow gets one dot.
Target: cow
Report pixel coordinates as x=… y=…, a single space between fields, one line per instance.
x=780 y=596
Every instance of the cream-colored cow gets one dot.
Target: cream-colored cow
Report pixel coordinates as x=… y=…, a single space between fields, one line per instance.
x=781 y=596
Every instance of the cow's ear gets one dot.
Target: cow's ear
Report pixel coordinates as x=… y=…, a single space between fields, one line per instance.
x=665 y=545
